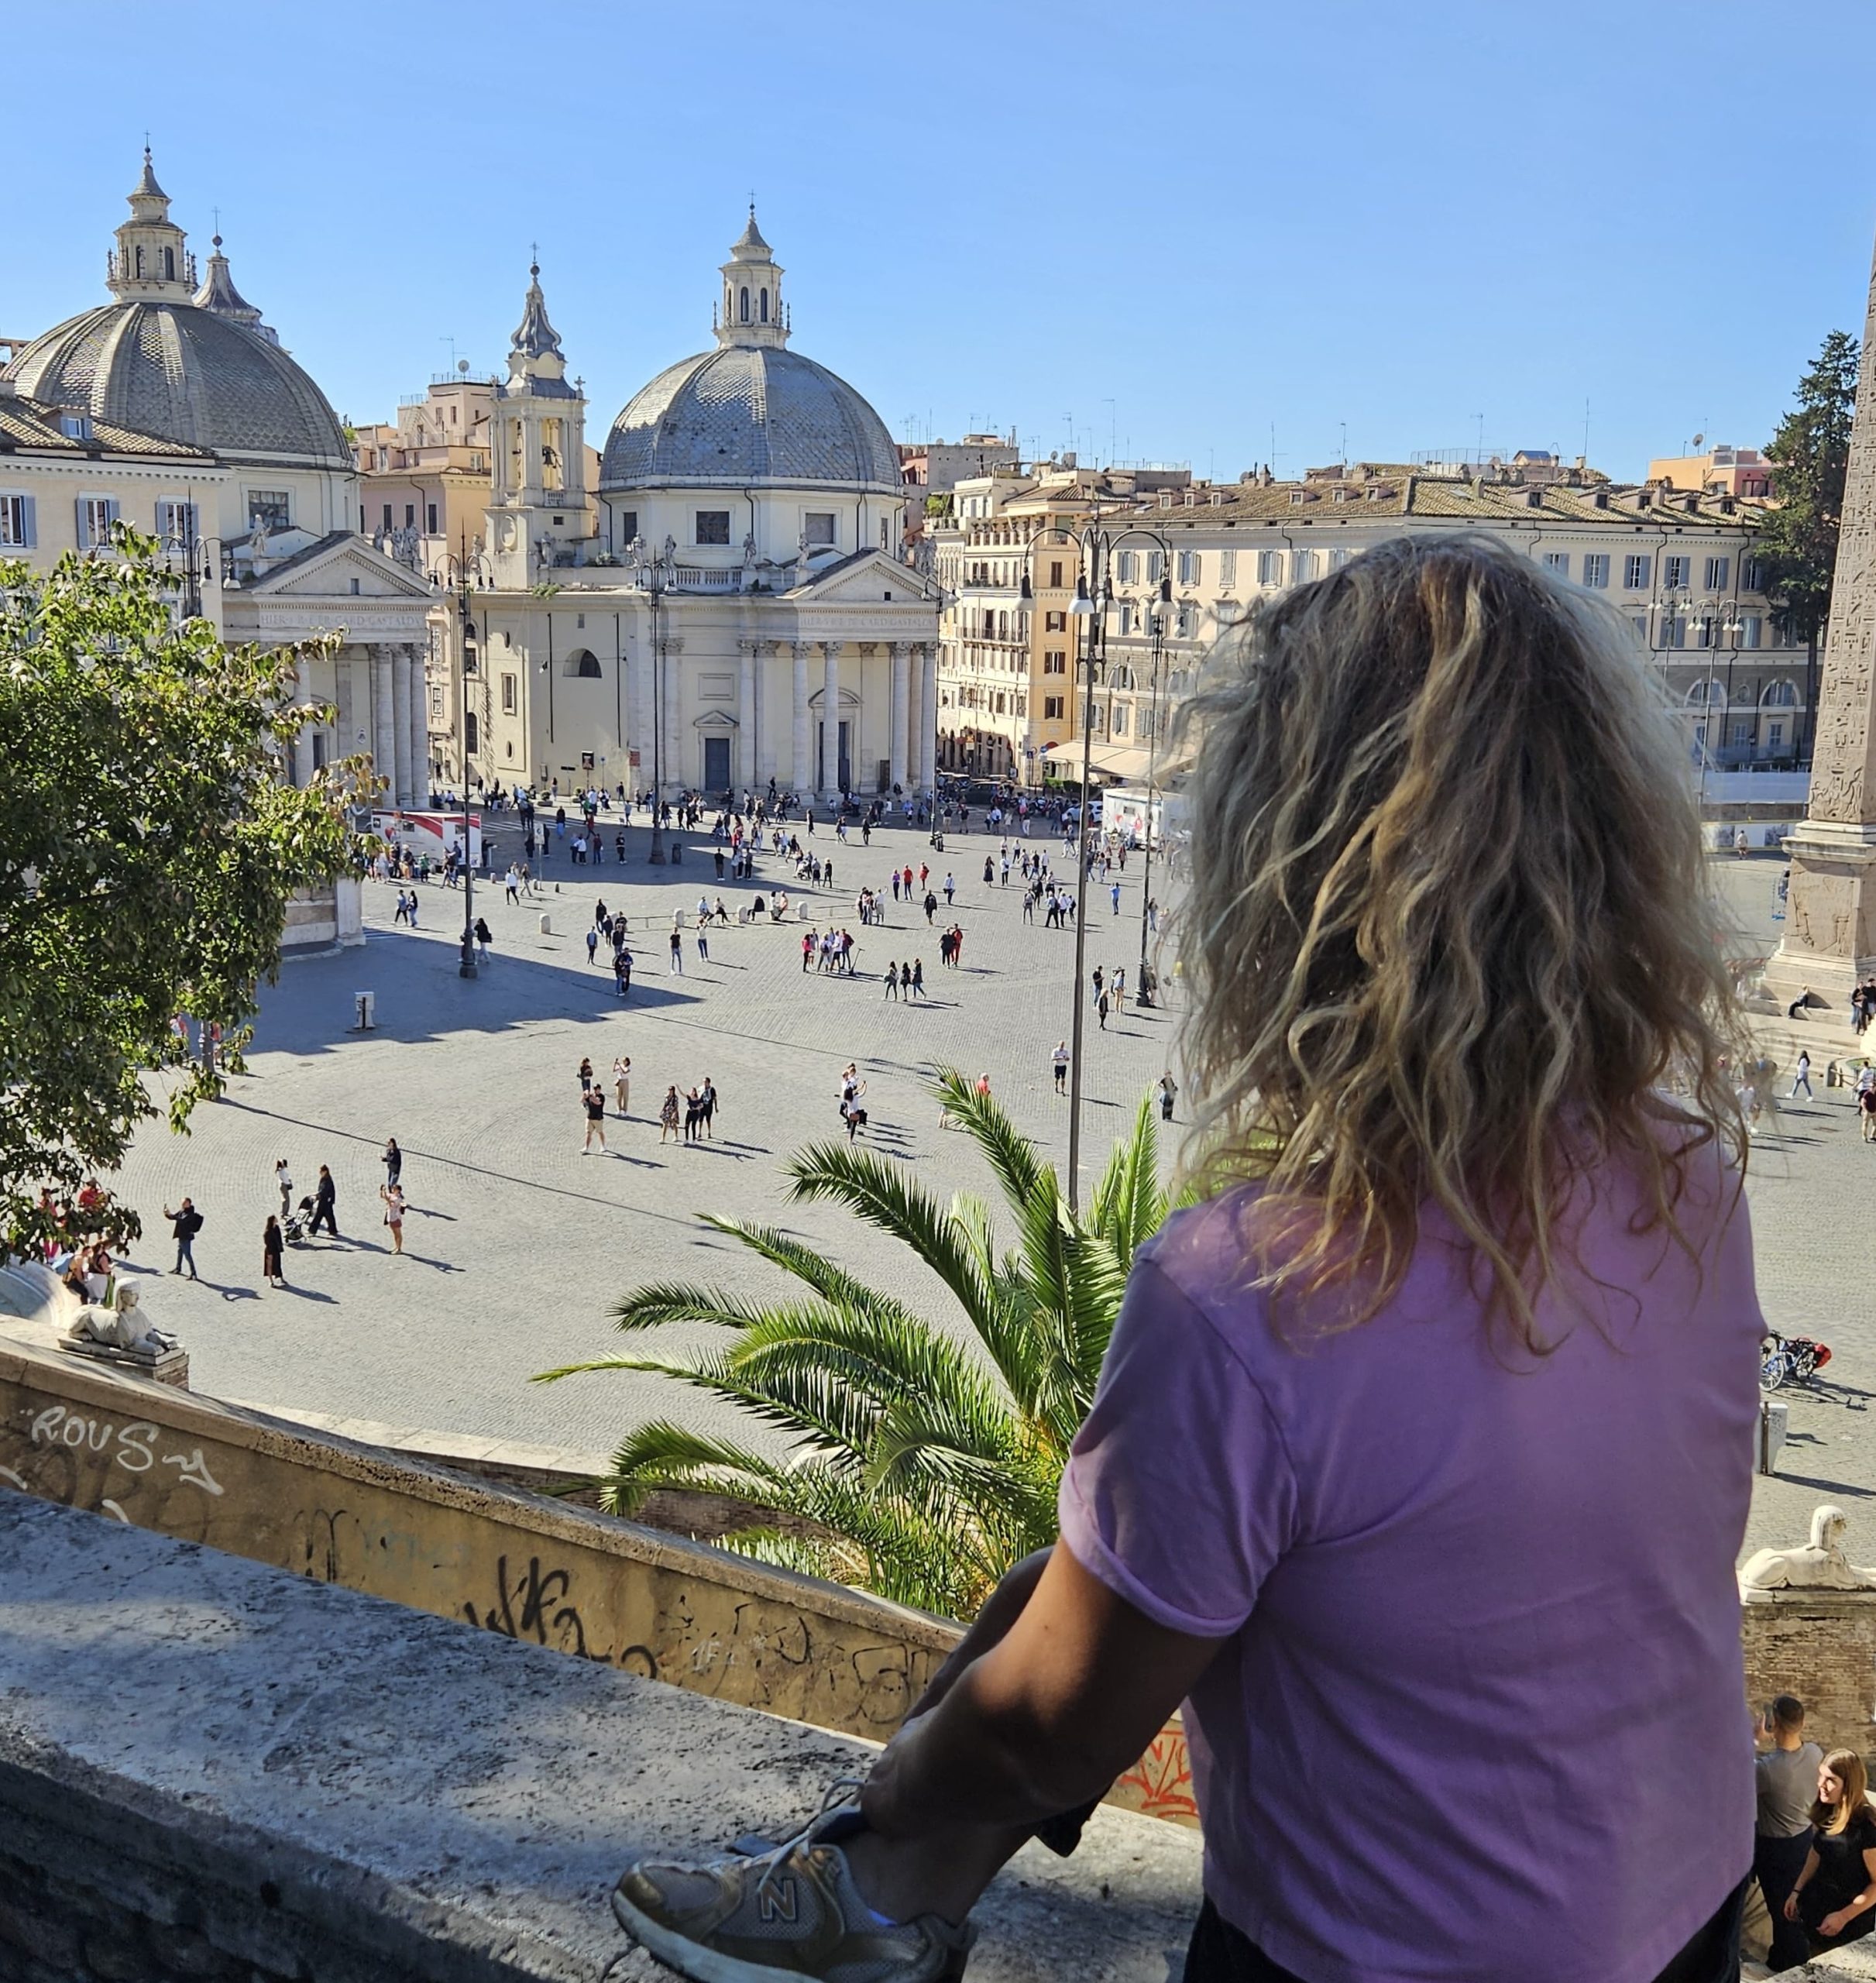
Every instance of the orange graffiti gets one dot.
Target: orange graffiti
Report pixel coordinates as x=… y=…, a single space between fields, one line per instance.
x=1163 y=1777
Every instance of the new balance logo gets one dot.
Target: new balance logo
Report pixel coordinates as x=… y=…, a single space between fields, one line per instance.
x=779 y=1902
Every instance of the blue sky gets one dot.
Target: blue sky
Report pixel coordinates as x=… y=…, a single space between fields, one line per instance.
x=1172 y=230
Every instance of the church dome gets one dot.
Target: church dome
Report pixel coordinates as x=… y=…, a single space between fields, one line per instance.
x=751 y=411
x=748 y=414
x=162 y=361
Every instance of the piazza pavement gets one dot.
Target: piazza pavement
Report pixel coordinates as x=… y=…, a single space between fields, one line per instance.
x=517 y=1244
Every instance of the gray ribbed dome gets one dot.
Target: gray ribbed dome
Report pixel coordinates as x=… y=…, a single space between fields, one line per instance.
x=186 y=374
x=749 y=413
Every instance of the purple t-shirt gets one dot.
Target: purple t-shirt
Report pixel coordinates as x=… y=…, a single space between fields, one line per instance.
x=1481 y=1712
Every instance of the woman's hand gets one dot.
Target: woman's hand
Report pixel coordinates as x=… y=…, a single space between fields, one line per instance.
x=1791 y=1905
x=1835 y=1924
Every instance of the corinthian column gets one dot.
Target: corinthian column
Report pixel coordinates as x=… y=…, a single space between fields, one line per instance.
x=400 y=721
x=383 y=726
x=895 y=769
x=830 y=721
x=928 y=718
x=419 y=728
x=745 y=773
x=803 y=779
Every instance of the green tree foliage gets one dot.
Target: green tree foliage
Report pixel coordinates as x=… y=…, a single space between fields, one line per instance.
x=1809 y=453
x=924 y=1459
x=148 y=847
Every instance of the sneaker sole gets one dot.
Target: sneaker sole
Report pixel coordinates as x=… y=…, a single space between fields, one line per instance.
x=690 y=1958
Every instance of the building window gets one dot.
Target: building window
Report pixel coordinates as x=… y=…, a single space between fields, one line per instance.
x=16 y=530
x=1055 y=622
x=1673 y=630
x=272 y=507
x=1751 y=630
x=1120 y=719
x=1635 y=568
x=1677 y=573
x=387 y=517
x=1302 y=566
x=1718 y=571
x=75 y=426
x=1155 y=567
x=626 y=525
x=584 y=665
x=1191 y=564
x=742 y=311
x=1742 y=736
x=508 y=695
x=1228 y=567
x=176 y=524
x=1127 y=567
x=1595 y=570
x=1054 y=574
x=713 y=526
x=430 y=517
x=817 y=527
x=1780 y=696
x=1052 y=709
x=1774 y=736
x=468 y=732
x=96 y=515
x=410 y=516
x=1558 y=561
x=1188 y=619
x=1126 y=620
x=1752 y=574
x=1269 y=568
x=1055 y=661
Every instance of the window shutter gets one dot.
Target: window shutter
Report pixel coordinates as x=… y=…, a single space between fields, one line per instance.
x=110 y=511
x=32 y=523
x=85 y=534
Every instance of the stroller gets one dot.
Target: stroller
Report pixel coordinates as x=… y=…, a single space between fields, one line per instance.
x=296 y=1224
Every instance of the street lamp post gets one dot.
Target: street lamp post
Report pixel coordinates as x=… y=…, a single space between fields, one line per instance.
x=1093 y=595
x=1155 y=628
x=654 y=575
x=465 y=967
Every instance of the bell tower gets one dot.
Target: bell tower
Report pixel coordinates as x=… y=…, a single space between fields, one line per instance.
x=151 y=263
x=752 y=311
x=538 y=495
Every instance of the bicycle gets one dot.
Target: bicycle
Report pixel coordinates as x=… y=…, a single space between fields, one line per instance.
x=1796 y=1358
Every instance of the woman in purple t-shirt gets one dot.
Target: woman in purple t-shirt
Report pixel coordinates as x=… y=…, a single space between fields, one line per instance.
x=1421 y=1457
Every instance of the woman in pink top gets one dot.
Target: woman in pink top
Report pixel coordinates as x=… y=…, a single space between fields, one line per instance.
x=1421 y=1458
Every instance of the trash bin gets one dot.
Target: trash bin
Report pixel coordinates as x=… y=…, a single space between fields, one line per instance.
x=365 y=1003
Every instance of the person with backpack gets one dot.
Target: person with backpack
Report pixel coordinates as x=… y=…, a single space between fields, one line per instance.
x=184 y=1225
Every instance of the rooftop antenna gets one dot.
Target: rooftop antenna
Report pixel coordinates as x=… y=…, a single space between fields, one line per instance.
x=1586 y=430
x=452 y=343
x=1110 y=433
x=1480 y=418
x=1344 y=425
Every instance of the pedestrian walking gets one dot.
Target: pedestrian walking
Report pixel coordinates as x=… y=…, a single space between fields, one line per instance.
x=392 y=1160
x=586 y=1075
x=283 y=1181
x=393 y=1196
x=1058 y=1061
x=917 y=977
x=184 y=1225
x=706 y=1106
x=325 y=1197
x=1168 y=1089
x=622 y=1083
x=667 y=1114
x=1114 y=896
x=1101 y=1009
x=272 y=1253
x=950 y=889
x=1802 y=1079
x=592 y=945
x=693 y=1113
x=677 y=952
x=931 y=907
x=484 y=936
x=892 y=981
x=593 y=1101
x=703 y=941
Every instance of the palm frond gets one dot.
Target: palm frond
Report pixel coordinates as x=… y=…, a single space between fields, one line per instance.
x=1016 y=1161
x=833 y=1284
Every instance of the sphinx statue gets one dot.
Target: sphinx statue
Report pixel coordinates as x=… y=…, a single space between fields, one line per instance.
x=120 y=1324
x=1818 y=1565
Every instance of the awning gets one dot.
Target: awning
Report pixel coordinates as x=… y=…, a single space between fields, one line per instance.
x=1127 y=762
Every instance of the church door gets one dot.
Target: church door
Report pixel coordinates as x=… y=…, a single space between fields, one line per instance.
x=716 y=764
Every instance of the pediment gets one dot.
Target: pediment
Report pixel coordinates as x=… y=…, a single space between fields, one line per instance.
x=715 y=719
x=862 y=579
x=329 y=569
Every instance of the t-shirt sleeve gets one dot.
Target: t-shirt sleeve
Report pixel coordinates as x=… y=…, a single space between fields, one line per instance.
x=1178 y=1493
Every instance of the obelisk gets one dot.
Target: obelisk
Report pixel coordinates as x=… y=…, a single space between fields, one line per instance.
x=1829 y=939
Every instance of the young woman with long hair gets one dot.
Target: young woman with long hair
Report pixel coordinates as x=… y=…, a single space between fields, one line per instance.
x=1835 y=1894
x=1421 y=1454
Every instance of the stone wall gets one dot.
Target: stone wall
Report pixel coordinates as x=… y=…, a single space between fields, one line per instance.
x=609 y=1591
x=209 y=1767
x=1821 y=1646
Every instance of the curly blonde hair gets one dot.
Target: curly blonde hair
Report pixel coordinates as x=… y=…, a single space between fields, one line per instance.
x=1449 y=936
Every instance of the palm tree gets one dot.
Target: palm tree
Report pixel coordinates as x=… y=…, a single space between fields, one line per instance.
x=923 y=1464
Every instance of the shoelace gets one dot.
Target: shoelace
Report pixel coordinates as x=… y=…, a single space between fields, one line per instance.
x=843 y=1790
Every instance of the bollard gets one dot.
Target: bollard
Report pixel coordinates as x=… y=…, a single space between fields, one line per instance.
x=366 y=1005
x=677 y=852
x=547 y=925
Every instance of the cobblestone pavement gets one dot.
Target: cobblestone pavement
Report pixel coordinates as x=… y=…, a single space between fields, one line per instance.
x=517 y=1244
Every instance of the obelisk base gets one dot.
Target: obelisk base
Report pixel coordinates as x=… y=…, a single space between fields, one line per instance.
x=1829 y=941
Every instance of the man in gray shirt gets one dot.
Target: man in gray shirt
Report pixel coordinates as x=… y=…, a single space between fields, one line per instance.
x=1787 y=1775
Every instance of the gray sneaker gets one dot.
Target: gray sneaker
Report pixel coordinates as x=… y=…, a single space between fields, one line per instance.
x=791 y=1913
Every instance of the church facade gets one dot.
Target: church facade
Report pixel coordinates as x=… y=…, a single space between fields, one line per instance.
x=174 y=408
x=728 y=608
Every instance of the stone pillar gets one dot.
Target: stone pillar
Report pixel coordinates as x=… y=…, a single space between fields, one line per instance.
x=896 y=657
x=745 y=773
x=419 y=728
x=677 y=767
x=830 y=721
x=303 y=743
x=803 y=777
x=928 y=718
x=640 y=741
x=383 y=727
x=1829 y=940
